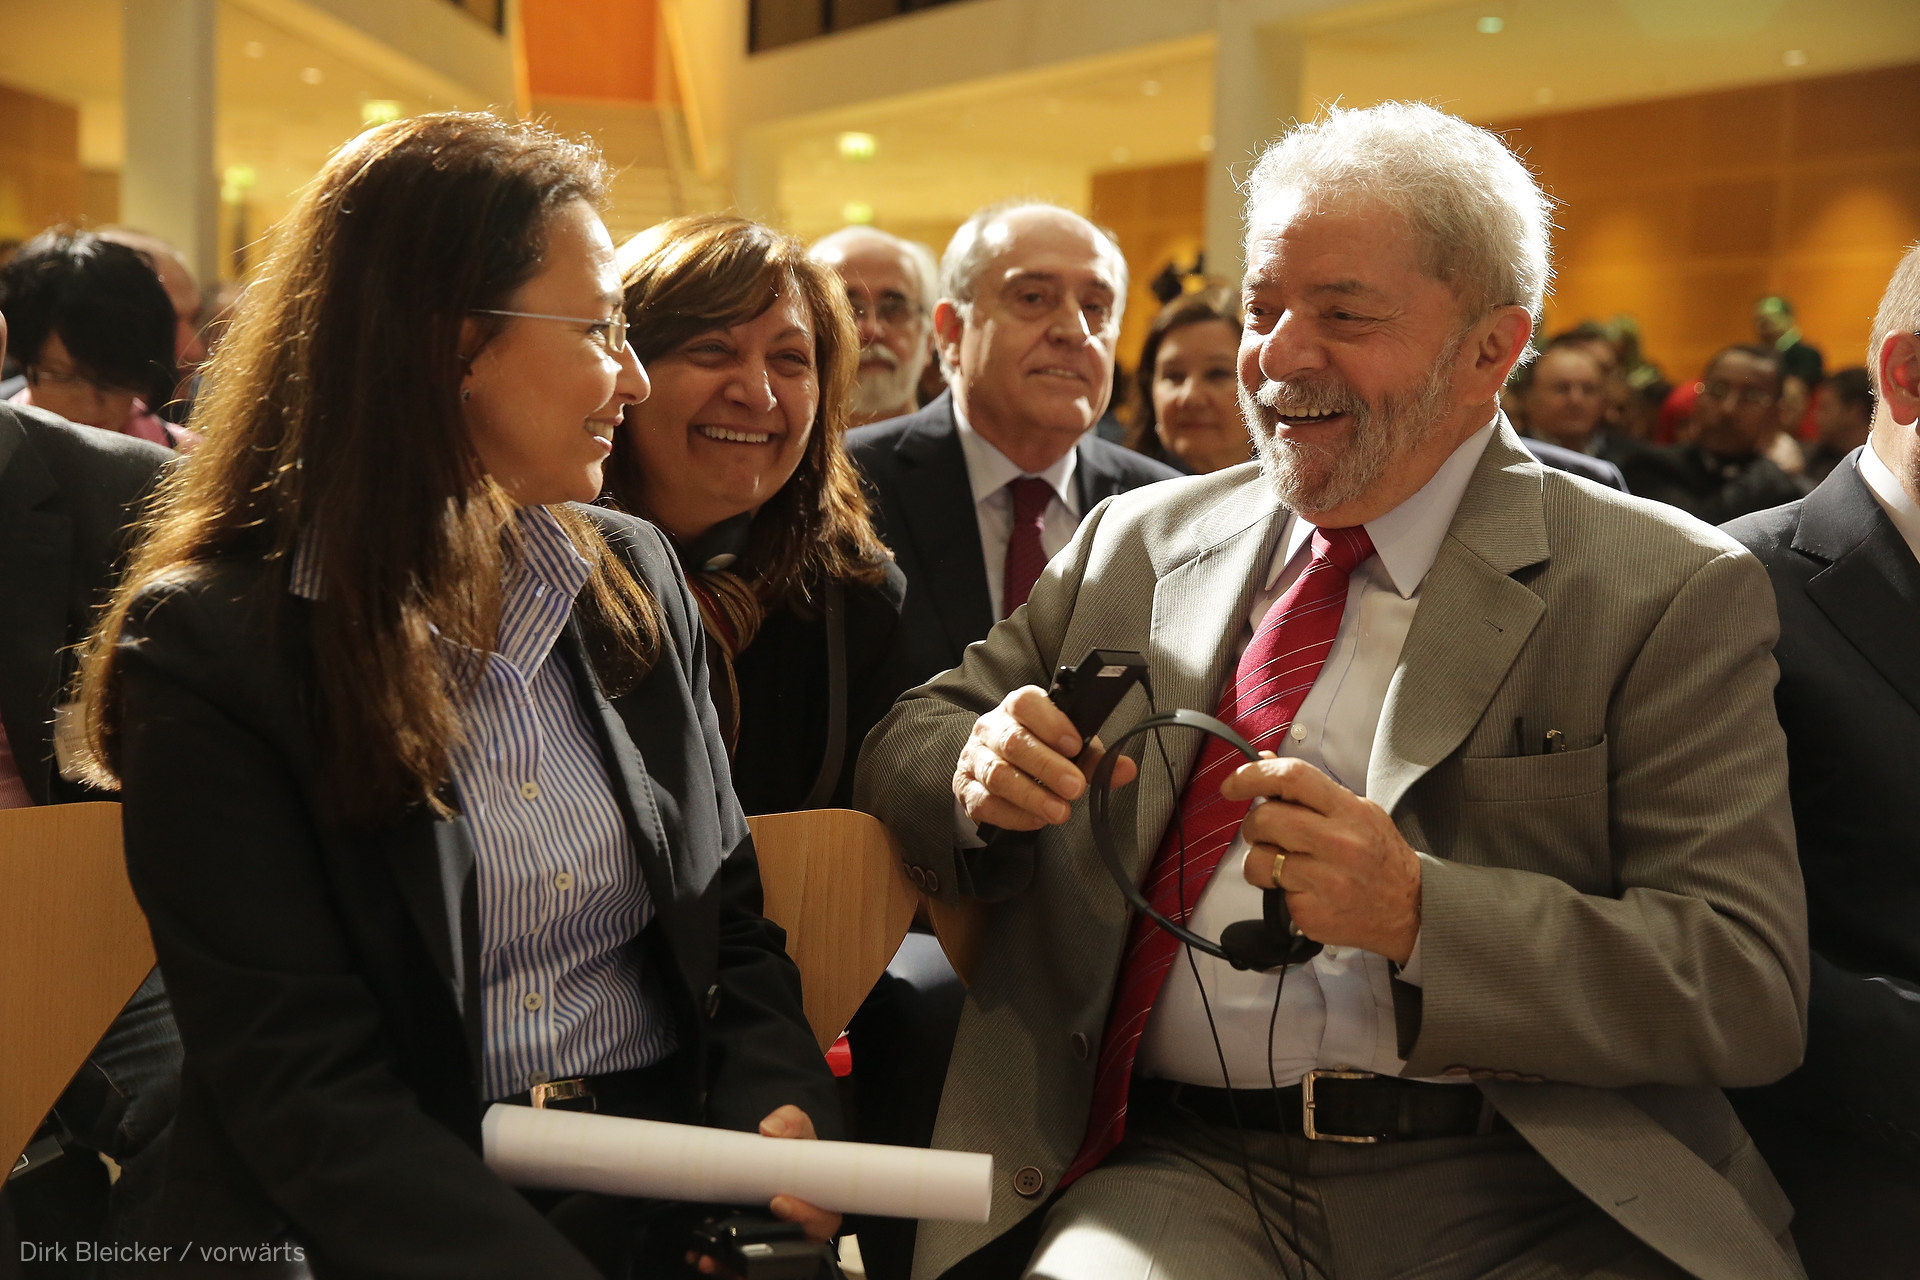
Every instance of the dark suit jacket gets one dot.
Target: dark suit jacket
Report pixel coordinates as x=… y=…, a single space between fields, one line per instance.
x=67 y=496
x=1844 y=1131
x=1702 y=485
x=916 y=474
x=326 y=979
x=1573 y=462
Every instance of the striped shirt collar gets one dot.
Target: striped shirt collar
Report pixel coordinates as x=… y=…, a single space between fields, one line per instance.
x=543 y=582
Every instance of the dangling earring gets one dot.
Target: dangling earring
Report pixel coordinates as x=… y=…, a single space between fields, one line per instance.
x=466 y=394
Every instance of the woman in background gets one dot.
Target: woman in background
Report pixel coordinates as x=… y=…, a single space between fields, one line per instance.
x=423 y=796
x=737 y=456
x=1190 y=384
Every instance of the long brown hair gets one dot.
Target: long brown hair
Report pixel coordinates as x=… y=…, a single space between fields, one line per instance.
x=333 y=434
x=691 y=275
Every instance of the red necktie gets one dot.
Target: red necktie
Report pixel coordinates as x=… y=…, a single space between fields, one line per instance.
x=1275 y=673
x=1025 y=556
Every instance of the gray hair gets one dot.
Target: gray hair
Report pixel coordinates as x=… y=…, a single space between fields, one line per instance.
x=1481 y=220
x=970 y=250
x=925 y=269
x=1899 y=311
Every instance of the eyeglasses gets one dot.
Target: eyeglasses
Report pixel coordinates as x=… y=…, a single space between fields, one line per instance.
x=892 y=309
x=1747 y=397
x=610 y=333
x=37 y=374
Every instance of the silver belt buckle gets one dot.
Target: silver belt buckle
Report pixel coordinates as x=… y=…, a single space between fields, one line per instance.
x=544 y=1095
x=1307 y=1104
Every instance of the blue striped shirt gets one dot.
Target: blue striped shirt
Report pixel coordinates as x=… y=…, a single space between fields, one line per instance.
x=561 y=896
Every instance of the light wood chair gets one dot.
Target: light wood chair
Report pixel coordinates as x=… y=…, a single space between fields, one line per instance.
x=73 y=946
x=833 y=879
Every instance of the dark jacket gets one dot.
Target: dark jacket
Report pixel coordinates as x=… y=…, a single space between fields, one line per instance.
x=1576 y=463
x=326 y=980
x=916 y=474
x=1700 y=484
x=1843 y=1132
x=67 y=496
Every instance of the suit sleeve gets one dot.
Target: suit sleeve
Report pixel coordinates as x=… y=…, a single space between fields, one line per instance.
x=906 y=768
x=1696 y=971
x=278 y=1023
x=760 y=1052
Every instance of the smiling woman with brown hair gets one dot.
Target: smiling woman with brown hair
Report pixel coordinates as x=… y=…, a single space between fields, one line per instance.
x=737 y=455
x=423 y=797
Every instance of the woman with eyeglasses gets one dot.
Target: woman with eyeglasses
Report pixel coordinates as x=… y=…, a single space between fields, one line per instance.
x=93 y=333
x=737 y=457
x=424 y=799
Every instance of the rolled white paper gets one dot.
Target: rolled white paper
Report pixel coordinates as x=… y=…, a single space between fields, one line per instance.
x=580 y=1151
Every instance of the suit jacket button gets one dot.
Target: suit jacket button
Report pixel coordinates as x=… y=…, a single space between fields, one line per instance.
x=1029 y=1181
x=713 y=1000
x=918 y=877
x=932 y=884
x=1078 y=1042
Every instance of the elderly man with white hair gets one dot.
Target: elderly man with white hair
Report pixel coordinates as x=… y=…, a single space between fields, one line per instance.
x=892 y=285
x=974 y=492
x=1522 y=788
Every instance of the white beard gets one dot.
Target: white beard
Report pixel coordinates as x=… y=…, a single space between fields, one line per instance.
x=884 y=391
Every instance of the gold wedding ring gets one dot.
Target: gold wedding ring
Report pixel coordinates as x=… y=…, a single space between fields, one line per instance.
x=1279 y=865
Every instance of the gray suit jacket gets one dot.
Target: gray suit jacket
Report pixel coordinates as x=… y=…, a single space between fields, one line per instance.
x=1625 y=918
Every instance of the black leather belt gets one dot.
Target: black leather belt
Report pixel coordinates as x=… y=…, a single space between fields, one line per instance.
x=1333 y=1106
x=647 y=1093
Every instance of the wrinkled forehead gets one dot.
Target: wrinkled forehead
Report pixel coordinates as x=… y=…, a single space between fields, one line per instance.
x=1366 y=235
x=1047 y=241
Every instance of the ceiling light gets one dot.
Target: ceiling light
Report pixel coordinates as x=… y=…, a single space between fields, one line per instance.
x=858 y=146
x=1543 y=95
x=254 y=49
x=1150 y=87
x=1121 y=155
x=375 y=111
x=235 y=181
x=1206 y=142
x=857 y=212
x=1490 y=25
x=1794 y=57
x=311 y=75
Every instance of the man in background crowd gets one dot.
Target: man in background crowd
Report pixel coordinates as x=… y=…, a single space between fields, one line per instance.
x=176 y=277
x=1722 y=471
x=1843 y=1132
x=1801 y=366
x=892 y=286
x=974 y=492
x=1843 y=408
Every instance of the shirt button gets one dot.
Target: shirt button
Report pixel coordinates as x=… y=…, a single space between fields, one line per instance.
x=532 y=1001
x=1299 y=735
x=537 y=1077
x=564 y=880
x=529 y=791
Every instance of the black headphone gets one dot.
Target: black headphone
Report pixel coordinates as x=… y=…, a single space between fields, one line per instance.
x=1270 y=942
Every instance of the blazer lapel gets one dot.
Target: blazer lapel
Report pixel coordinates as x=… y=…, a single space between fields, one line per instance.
x=937 y=506
x=1870 y=589
x=1200 y=605
x=433 y=864
x=1094 y=481
x=35 y=570
x=1472 y=620
x=626 y=771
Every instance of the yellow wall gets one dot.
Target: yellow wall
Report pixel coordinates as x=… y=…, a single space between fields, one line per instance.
x=39 y=164
x=1159 y=216
x=605 y=49
x=1685 y=211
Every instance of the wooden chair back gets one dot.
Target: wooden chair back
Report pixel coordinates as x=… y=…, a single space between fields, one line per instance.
x=73 y=946
x=833 y=880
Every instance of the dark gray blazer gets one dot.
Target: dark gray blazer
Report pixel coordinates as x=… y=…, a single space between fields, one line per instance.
x=1844 y=1131
x=1573 y=462
x=326 y=979
x=67 y=496
x=923 y=510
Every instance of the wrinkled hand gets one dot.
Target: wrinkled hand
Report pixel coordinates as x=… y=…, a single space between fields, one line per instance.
x=1351 y=879
x=819 y=1224
x=1024 y=765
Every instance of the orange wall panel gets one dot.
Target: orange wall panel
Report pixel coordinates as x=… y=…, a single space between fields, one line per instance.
x=606 y=49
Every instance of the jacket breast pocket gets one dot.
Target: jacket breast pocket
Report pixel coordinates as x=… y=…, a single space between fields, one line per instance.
x=1544 y=813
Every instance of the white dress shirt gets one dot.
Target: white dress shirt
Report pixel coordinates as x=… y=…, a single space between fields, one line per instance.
x=1892 y=496
x=1337 y=1009
x=989 y=472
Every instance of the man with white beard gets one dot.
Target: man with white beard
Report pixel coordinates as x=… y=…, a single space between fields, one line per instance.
x=893 y=285
x=1522 y=781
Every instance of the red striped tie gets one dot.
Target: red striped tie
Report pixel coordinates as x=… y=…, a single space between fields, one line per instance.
x=1275 y=673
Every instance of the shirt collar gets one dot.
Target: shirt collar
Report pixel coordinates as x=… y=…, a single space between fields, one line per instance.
x=1891 y=495
x=543 y=581
x=1407 y=538
x=989 y=470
